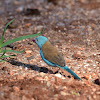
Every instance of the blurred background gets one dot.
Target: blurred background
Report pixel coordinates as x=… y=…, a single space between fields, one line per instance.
x=75 y=21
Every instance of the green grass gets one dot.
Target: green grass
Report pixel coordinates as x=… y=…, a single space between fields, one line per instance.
x=3 y=44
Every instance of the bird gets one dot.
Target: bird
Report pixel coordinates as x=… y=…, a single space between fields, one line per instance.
x=51 y=55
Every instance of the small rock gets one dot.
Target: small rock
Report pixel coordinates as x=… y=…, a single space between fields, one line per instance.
x=94 y=97
x=48 y=84
x=28 y=51
x=46 y=78
x=98 y=92
x=83 y=1
x=87 y=77
x=27 y=25
x=16 y=89
x=68 y=61
x=79 y=52
x=94 y=89
x=63 y=93
x=42 y=74
x=89 y=69
x=93 y=75
x=11 y=73
x=60 y=76
x=89 y=61
x=39 y=27
x=55 y=96
x=63 y=46
x=20 y=9
x=82 y=49
x=78 y=72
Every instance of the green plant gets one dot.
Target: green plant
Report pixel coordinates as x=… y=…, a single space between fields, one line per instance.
x=2 y=45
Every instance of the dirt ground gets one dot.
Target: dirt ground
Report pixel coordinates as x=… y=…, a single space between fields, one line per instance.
x=73 y=27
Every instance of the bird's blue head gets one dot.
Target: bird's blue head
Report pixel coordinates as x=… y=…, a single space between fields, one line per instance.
x=40 y=40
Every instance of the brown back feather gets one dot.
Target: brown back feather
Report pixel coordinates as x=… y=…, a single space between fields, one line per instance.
x=51 y=54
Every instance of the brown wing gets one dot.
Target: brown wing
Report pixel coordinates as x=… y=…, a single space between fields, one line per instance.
x=51 y=54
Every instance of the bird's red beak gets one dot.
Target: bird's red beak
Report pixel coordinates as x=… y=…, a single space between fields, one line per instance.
x=33 y=40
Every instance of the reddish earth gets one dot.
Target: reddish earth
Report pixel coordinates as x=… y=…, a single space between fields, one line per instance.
x=73 y=27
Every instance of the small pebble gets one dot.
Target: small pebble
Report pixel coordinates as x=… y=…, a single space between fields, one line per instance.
x=87 y=77
x=28 y=51
x=63 y=93
x=68 y=61
x=94 y=89
x=89 y=69
x=46 y=78
x=98 y=92
x=42 y=74
x=39 y=27
x=60 y=76
x=11 y=73
x=48 y=84
x=16 y=89
x=27 y=25
x=93 y=75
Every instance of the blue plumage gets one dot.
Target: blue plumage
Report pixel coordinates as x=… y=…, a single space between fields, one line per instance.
x=51 y=56
x=40 y=41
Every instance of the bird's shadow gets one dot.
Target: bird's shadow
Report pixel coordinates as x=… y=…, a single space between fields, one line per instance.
x=30 y=66
x=34 y=67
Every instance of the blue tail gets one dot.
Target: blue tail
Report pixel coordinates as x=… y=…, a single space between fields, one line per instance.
x=71 y=72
